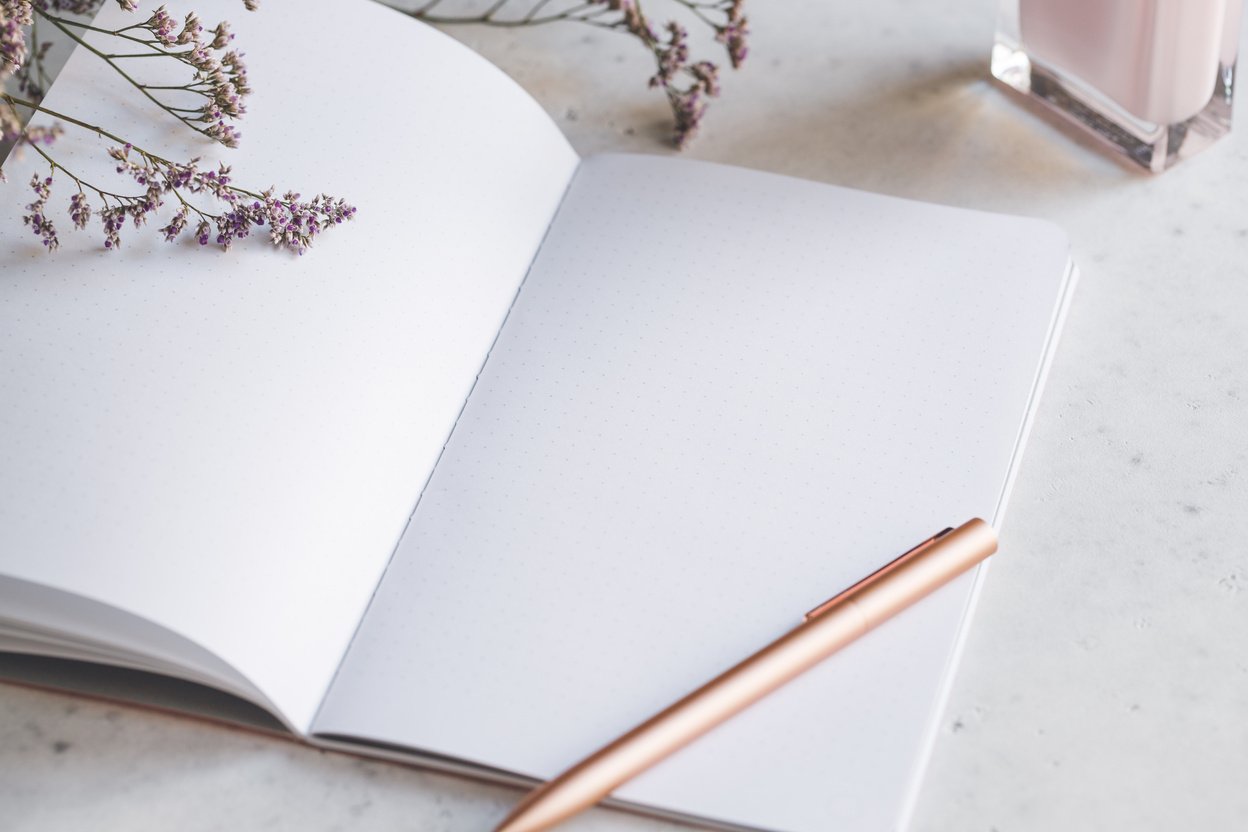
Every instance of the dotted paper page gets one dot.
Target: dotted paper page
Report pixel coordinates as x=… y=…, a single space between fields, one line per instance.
x=721 y=397
x=230 y=444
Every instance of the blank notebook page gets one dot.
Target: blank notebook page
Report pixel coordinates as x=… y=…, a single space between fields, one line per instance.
x=229 y=445
x=720 y=397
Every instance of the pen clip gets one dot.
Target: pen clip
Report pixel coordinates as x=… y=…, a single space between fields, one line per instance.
x=828 y=603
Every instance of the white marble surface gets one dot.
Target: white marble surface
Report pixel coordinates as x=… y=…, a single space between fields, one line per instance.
x=1105 y=683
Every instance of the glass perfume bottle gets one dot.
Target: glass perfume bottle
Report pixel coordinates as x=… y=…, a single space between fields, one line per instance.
x=1154 y=79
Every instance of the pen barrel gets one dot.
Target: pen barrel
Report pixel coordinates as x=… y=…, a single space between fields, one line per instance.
x=830 y=627
x=920 y=572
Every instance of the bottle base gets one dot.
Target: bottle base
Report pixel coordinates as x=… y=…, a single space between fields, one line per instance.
x=1154 y=147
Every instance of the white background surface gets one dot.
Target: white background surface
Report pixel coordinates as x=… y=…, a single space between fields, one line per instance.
x=1105 y=683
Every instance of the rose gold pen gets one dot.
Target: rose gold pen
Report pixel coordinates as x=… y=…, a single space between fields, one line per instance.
x=827 y=628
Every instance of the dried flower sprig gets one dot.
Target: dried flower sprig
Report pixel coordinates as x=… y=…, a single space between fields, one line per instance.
x=215 y=92
x=291 y=223
x=217 y=88
x=689 y=85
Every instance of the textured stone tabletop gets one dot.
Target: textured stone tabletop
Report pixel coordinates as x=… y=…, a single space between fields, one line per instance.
x=1105 y=681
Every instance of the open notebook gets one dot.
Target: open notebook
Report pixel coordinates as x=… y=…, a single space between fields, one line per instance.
x=528 y=450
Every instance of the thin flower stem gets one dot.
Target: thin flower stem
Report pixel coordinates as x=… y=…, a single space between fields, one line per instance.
x=142 y=41
x=583 y=12
x=154 y=45
x=119 y=33
x=425 y=9
x=187 y=87
x=541 y=4
x=498 y=4
x=696 y=10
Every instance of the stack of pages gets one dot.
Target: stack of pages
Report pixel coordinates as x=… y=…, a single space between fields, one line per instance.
x=528 y=450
